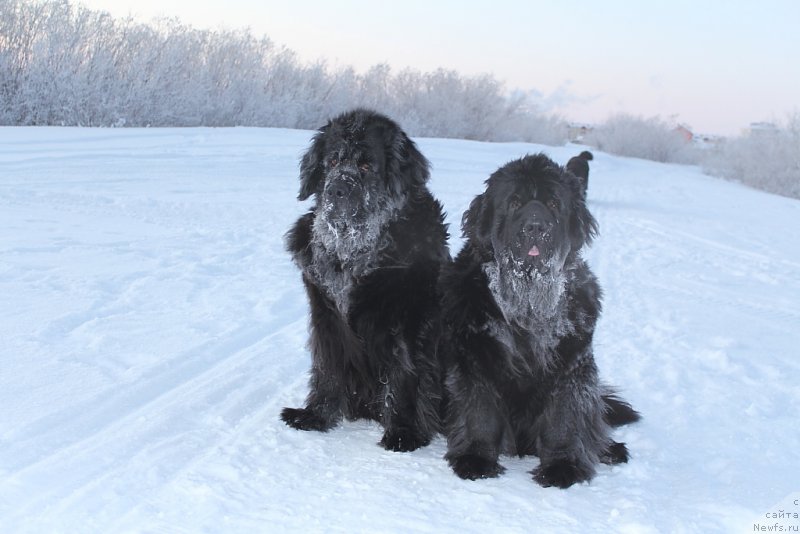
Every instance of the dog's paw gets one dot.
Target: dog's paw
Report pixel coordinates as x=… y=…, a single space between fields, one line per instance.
x=561 y=474
x=402 y=441
x=473 y=467
x=304 y=419
x=617 y=453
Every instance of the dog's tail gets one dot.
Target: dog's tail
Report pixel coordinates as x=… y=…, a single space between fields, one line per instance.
x=618 y=412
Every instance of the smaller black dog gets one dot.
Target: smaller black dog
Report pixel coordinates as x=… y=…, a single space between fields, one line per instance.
x=579 y=166
x=519 y=308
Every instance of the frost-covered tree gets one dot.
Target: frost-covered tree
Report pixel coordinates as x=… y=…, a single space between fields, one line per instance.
x=652 y=138
x=61 y=63
x=768 y=160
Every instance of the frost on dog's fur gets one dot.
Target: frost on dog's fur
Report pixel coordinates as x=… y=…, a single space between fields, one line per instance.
x=344 y=251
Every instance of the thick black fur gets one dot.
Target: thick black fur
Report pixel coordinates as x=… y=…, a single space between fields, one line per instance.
x=579 y=166
x=370 y=252
x=519 y=308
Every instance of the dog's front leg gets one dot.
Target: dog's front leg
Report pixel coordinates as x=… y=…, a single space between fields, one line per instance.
x=331 y=343
x=404 y=426
x=573 y=435
x=391 y=312
x=475 y=426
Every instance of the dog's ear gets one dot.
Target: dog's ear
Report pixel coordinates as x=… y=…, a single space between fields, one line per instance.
x=412 y=162
x=583 y=226
x=407 y=167
x=312 y=166
x=476 y=223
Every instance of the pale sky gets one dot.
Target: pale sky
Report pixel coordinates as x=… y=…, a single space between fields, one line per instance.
x=714 y=65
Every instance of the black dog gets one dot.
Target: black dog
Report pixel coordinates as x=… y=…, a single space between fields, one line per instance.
x=370 y=251
x=579 y=166
x=519 y=311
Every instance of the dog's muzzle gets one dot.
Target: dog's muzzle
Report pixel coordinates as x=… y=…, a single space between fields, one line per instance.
x=343 y=196
x=533 y=236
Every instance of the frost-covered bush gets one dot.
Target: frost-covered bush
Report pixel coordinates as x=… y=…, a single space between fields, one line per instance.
x=64 y=64
x=764 y=159
x=652 y=139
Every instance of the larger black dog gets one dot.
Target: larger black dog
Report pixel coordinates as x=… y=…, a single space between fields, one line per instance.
x=520 y=307
x=370 y=251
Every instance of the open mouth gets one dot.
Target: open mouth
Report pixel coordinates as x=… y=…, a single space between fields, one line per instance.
x=530 y=258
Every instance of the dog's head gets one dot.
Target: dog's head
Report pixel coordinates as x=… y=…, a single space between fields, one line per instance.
x=532 y=215
x=359 y=163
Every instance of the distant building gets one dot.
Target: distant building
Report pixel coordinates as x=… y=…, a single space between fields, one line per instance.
x=577 y=131
x=707 y=140
x=685 y=132
x=762 y=129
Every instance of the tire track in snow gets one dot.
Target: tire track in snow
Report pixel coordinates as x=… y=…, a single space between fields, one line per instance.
x=83 y=421
x=252 y=425
x=168 y=430
x=80 y=422
x=708 y=245
x=751 y=268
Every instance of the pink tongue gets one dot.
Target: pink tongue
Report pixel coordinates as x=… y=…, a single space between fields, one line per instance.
x=534 y=251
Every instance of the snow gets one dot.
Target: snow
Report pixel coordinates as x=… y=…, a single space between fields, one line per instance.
x=153 y=326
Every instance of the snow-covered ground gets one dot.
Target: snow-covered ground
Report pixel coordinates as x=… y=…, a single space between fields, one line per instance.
x=152 y=327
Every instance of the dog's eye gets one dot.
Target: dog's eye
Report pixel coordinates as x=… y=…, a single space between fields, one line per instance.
x=514 y=204
x=365 y=167
x=333 y=162
x=552 y=204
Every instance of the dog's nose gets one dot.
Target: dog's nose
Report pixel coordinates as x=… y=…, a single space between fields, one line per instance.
x=533 y=227
x=338 y=190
